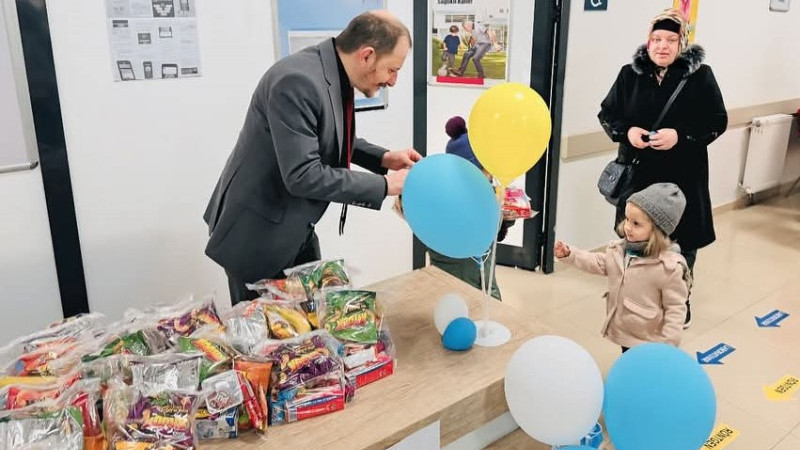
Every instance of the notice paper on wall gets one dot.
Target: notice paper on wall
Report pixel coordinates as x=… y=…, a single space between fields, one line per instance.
x=153 y=39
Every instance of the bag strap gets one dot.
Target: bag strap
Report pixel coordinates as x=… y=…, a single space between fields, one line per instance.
x=669 y=104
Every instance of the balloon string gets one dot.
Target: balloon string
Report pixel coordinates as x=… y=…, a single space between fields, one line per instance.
x=491 y=257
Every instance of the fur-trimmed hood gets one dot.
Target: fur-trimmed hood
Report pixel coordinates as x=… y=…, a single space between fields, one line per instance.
x=690 y=60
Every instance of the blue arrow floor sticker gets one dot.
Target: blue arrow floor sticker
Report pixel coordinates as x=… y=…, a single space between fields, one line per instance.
x=771 y=320
x=715 y=355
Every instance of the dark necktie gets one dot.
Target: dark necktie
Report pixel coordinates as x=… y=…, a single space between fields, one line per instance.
x=347 y=152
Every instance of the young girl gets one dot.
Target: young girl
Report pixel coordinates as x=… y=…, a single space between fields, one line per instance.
x=648 y=281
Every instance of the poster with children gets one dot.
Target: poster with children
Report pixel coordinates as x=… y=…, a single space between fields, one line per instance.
x=469 y=42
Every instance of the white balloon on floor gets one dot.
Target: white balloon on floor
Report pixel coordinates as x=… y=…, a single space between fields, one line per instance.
x=554 y=390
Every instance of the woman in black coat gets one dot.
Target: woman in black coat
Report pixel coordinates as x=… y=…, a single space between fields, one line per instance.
x=678 y=151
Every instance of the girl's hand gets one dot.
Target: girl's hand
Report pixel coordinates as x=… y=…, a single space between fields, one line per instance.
x=561 y=250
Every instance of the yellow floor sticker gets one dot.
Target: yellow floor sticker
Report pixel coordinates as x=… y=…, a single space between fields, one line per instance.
x=783 y=389
x=721 y=437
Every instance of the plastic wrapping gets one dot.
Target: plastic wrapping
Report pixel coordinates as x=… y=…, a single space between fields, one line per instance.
x=155 y=420
x=307 y=376
x=284 y=289
x=67 y=331
x=317 y=275
x=223 y=392
x=257 y=374
x=45 y=426
x=349 y=315
x=245 y=325
x=127 y=340
x=178 y=320
x=176 y=371
x=286 y=319
x=54 y=360
x=516 y=204
x=217 y=426
x=217 y=355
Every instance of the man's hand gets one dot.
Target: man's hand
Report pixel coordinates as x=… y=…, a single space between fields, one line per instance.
x=400 y=159
x=561 y=250
x=664 y=139
x=395 y=181
x=635 y=137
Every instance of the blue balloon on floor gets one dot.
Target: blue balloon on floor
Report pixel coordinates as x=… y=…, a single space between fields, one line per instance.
x=658 y=398
x=459 y=335
x=450 y=206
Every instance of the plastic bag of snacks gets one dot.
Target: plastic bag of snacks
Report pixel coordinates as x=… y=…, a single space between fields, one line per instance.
x=317 y=275
x=255 y=411
x=174 y=371
x=245 y=325
x=286 y=319
x=365 y=364
x=48 y=425
x=178 y=320
x=307 y=377
x=137 y=420
x=355 y=317
x=128 y=340
x=54 y=360
x=217 y=426
x=516 y=204
x=284 y=289
x=349 y=315
x=217 y=355
x=67 y=331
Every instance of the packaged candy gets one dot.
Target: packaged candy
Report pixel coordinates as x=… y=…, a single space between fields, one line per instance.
x=379 y=368
x=217 y=356
x=516 y=204
x=317 y=275
x=43 y=426
x=55 y=360
x=179 y=320
x=245 y=325
x=286 y=319
x=66 y=331
x=350 y=315
x=251 y=415
x=217 y=426
x=257 y=373
x=156 y=420
x=321 y=395
x=298 y=360
x=140 y=342
x=223 y=392
x=166 y=371
x=284 y=289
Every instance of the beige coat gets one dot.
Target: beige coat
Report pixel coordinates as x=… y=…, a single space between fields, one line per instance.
x=646 y=301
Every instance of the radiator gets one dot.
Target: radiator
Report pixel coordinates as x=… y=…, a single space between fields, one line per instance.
x=766 y=152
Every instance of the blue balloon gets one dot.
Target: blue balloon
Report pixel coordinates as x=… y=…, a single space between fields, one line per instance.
x=658 y=398
x=451 y=206
x=459 y=335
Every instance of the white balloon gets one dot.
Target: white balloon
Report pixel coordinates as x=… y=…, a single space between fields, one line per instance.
x=554 y=390
x=447 y=309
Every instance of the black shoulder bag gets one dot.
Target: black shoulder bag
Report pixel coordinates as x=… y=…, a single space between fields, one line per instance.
x=617 y=176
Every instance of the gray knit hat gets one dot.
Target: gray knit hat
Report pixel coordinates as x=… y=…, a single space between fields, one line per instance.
x=663 y=202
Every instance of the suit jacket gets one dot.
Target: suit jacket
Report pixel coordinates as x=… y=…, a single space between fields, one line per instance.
x=286 y=168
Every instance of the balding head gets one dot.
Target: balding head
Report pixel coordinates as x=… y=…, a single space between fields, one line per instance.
x=378 y=29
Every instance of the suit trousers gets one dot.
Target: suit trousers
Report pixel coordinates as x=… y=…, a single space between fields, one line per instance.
x=309 y=251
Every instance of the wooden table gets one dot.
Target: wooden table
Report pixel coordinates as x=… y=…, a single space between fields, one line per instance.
x=462 y=390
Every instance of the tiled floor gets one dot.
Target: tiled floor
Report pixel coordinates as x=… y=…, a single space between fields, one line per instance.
x=752 y=269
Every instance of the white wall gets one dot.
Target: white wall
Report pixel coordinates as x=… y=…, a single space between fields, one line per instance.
x=750 y=70
x=28 y=285
x=445 y=102
x=145 y=156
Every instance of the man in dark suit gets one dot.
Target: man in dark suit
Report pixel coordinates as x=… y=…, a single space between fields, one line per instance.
x=294 y=152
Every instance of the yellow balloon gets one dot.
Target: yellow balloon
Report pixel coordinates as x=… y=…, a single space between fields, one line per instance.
x=509 y=128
